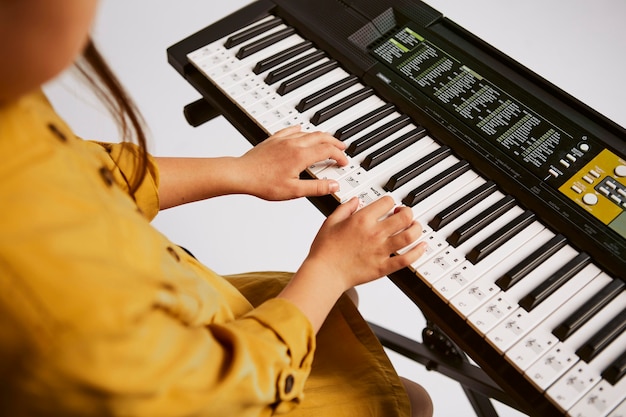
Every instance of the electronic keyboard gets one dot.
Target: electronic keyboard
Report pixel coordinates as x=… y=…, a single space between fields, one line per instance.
x=520 y=188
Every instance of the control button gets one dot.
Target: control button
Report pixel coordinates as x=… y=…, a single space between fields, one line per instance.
x=553 y=173
x=621 y=192
x=605 y=191
x=588 y=179
x=590 y=199
x=594 y=173
x=564 y=163
x=571 y=157
x=611 y=185
x=576 y=189
x=620 y=170
x=616 y=199
x=584 y=147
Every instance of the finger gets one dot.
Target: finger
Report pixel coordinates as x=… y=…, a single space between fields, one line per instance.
x=400 y=219
x=288 y=131
x=405 y=259
x=345 y=210
x=379 y=208
x=318 y=187
x=404 y=239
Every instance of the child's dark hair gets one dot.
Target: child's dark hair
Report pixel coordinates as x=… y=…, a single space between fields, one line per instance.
x=109 y=90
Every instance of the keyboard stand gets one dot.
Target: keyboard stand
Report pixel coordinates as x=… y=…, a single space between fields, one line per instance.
x=438 y=353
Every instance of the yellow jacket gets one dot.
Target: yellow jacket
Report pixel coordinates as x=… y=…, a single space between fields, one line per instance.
x=102 y=314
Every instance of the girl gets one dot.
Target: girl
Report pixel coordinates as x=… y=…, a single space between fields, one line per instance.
x=103 y=315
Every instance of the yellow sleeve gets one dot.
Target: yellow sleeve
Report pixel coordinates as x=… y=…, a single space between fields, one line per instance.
x=123 y=160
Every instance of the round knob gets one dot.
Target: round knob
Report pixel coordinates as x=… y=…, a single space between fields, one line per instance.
x=584 y=147
x=620 y=170
x=590 y=199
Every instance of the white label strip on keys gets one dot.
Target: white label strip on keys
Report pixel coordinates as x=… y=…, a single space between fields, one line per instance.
x=558 y=360
x=540 y=339
x=601 y=399
x=583 y=376
x=509 y=331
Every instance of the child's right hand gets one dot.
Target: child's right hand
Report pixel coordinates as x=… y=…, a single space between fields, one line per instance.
x=357 y=246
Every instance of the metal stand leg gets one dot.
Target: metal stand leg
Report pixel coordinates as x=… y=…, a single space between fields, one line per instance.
x=438 y=353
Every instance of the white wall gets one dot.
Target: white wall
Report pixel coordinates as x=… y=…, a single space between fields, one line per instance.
x=576 y=44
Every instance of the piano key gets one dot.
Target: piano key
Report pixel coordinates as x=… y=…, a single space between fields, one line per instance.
x=281 y=57
x=363 y=122
x=520 y=322
x=501 y=236
x=293 y=67
x=546 y=288
x=366 y=141
x=434 y=184
x=482 y=285
x=399 y=179
x=341 y=105
x=462 y=205
x=256 y=46
x=397 y=145
x=275 y=102
x=616 y=370
x=600 y=401
x=369 y=182
x=306 y=77
x=540 y=339
x=581 y=377
x=558 y=360
x=587 y=310
x=620 y=410
x=223 y=68
x=326 y=93
x=604 y=337
x=523 y=268
x=473 y=226
x=252 y=31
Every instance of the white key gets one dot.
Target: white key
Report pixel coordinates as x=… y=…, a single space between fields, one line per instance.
x=558 y=360
x=619 y=411
x=583 y=376
x=540 y=339
x=510 y=330
x=600 y=400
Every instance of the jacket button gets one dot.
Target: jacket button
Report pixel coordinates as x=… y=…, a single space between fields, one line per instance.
x=107 y=176
x=289 y=381
x=55 y=130
x=172 y=252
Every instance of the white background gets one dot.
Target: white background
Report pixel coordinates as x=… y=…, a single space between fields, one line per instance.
x=576 y=44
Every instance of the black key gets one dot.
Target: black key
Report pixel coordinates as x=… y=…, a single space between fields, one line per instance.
x=531 y=262
x=364 y=122
x=306 y=77
x=550 y=285
x=436 y=183
x=586 y=311
x=256 y=30
x=281 y=57
x=291 y=68
x=504 y=234
x=339 y=106
x=462 y=205
x=604 y=337
x=326 y=93
x=375 y=136
x=393 y=148
x=407 y=174
x=616 y=370
x=476 y=224
x=264 y=42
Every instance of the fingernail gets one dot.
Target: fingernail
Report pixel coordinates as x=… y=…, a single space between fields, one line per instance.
x=333 y=186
